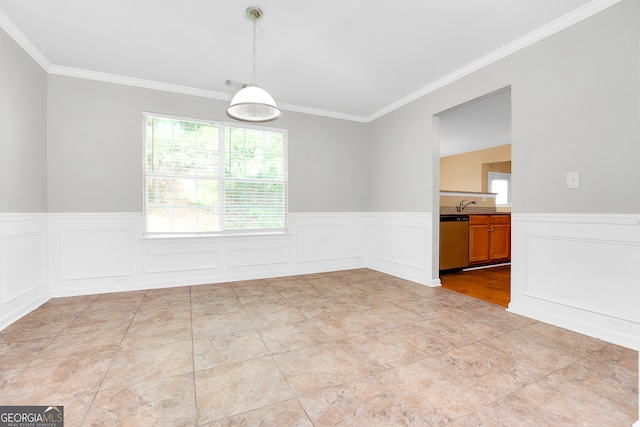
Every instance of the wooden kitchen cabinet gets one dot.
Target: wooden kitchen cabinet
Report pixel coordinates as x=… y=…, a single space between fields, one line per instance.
x=489 y=239
x=500 y=246
x=479 y=232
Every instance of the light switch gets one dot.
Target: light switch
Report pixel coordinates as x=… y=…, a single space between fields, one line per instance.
x=573 y=179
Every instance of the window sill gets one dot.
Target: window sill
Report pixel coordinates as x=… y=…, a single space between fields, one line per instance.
x=179 y=238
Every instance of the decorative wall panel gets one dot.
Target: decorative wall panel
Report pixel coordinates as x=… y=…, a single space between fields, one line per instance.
x=246 y=257
x=330 y=241
x=162 y=262
x=594 y=275
x=579 y=272
x=95 y=253
x=24 y=263
x=399 y=244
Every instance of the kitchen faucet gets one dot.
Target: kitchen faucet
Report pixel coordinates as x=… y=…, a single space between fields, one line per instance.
x=464 y=205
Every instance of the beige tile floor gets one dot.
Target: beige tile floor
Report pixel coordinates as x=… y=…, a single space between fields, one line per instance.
x=345 y=348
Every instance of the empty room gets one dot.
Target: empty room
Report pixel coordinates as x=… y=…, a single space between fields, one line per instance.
x=219 y=213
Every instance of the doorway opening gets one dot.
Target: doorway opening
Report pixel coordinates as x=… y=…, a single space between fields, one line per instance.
x=475 y=186
x=491 y=284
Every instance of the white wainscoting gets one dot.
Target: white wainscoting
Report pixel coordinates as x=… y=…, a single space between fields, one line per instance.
x=325 y=238
x=575 y=271
x=395 y=243
x=400 y=244
x=23 y=265
x=579 y=272
x=107 y=252
x=87 y=253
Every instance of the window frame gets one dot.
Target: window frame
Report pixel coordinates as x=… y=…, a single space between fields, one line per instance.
x=491 y=176
x=221 y=178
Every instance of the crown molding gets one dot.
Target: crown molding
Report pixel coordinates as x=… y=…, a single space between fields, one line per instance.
x=184 y=90
x=18 y=36
x=553 y=27
x=323 y=113
x=132 y=81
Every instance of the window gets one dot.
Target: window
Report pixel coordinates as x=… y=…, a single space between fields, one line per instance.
x=213 y=177
x=500 y=183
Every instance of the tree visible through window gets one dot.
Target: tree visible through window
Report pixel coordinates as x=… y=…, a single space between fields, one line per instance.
x=213 y=177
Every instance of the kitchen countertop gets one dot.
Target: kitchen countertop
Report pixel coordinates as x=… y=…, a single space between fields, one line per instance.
x=470 y=210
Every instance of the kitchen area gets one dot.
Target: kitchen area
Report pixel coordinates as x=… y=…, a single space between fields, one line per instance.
x=475 y=198
x=474 y=236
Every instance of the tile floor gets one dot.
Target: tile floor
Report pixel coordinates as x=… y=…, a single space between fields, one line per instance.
x=345 y=348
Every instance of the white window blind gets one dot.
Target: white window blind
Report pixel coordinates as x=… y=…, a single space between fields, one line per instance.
x=213 y=177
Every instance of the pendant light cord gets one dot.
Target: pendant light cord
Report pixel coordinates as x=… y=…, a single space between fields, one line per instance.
x=254 y=51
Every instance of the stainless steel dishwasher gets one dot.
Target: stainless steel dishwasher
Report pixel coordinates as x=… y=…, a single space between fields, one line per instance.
x=454 y=242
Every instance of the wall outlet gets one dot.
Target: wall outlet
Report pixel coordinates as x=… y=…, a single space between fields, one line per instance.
x=619 y=325
x=119 y=279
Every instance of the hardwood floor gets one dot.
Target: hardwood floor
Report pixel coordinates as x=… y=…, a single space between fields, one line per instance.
x=490 y=284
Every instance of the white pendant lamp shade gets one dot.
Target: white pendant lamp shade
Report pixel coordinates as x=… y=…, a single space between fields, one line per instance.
x=253 y=104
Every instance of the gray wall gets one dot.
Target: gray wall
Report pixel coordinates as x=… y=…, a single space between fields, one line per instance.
x=23 y=150
x=401 y=178
x=575 y=107
x=95 y=149
x=328 y=164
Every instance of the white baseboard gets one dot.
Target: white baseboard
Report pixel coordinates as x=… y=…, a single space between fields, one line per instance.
x=591 y=329
x=130 y=284
x=20 y=311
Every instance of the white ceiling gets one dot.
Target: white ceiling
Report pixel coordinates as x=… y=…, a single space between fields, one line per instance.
x=355 y=59
x=476 y=125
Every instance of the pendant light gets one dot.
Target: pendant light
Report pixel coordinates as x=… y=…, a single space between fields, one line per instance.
x=253 y=104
